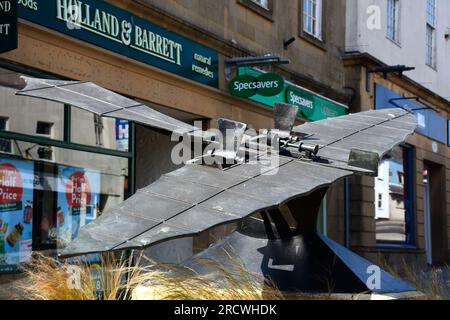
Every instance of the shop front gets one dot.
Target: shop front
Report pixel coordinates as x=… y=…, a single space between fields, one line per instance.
x=62 y=167
x=401 y=215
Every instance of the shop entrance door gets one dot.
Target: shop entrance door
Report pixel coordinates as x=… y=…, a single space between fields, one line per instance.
x=435 y=220
x=427 y=214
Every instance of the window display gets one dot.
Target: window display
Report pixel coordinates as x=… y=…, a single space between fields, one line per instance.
x=393 y=196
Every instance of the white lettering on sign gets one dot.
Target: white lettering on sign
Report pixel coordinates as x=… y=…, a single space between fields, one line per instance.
x=202 y=59
x=4 y=28
x=157 y=45
x=5 y=6
x=203 y=71
x=239 y=86
x=30 y=4
x=298 y=100
x=80 y=15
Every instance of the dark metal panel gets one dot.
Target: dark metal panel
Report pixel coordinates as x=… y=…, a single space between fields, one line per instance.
x=199 y=219
x=181 y=190
x=360 y=266
x=108 y=231
x=274 y=193
x=98 y=100
x=258 y=166
x=398 y=124
x=153 y=207
x=69 y=97
x=147 y=116
x=297 y=173
x=369 y=121
x=160 y=233
x=207 y=176
x=89 y=89
x=310 y=128
x=334 y=153
x=236 y=203
x=34 y=84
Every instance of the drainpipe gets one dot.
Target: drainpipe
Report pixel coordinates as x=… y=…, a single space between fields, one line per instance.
x=347 y=213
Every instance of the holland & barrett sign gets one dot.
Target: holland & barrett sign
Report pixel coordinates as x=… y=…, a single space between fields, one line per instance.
x=8 y=25
x=117 y=30
x=246 y=86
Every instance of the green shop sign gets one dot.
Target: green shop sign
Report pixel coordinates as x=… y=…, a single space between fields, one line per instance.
x=312 y=107
x=101 y=24
x=267 y=85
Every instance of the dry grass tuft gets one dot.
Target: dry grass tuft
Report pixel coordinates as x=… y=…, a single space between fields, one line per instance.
x=431 y=282
x=50 y=279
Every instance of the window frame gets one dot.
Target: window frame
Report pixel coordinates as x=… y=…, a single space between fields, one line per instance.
x=7 y=142
x=66 y=143
x=431 y=35
x=410 y=211
x=304 y=34
x=258 y=8
x=396 y=21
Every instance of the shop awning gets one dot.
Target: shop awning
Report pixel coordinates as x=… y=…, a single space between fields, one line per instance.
x=93 y=98
x=196 y=198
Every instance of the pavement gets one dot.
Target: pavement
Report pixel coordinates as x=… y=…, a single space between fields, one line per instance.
x=10 y=286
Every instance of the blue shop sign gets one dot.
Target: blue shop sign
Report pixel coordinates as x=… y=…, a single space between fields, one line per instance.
x=117 y=30
x=430 y=124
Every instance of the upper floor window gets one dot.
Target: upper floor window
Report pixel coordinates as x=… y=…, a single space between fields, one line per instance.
x=262 y=7
x=431 y=12
x=430 y=39
x=312 y=18
x=393 y=20
x=262 y=3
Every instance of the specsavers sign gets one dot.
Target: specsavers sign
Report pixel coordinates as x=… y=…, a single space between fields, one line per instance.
x=246 y=86
x=312 y=106
x=114 y=29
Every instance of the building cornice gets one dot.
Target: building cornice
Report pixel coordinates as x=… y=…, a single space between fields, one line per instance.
x=369 y=61
x=223 y=46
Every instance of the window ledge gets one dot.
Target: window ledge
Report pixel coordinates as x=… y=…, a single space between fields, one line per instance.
x=434 y=68
x=266 y=13
x=312 y=40
x=393 y=246
x=397 y=43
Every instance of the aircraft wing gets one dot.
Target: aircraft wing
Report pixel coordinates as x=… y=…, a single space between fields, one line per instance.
x=93 y=98
x=196 y=198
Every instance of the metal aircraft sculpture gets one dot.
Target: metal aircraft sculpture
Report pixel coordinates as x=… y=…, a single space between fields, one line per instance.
x=274 y=203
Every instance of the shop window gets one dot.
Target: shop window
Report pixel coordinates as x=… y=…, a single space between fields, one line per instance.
x=99 y=131
x=48 y=192
x=44 y=128
x=5 y=144
x=380 y=201
x=98 y=124
x=394 y=198
x=45 y=203
x=24 y=113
